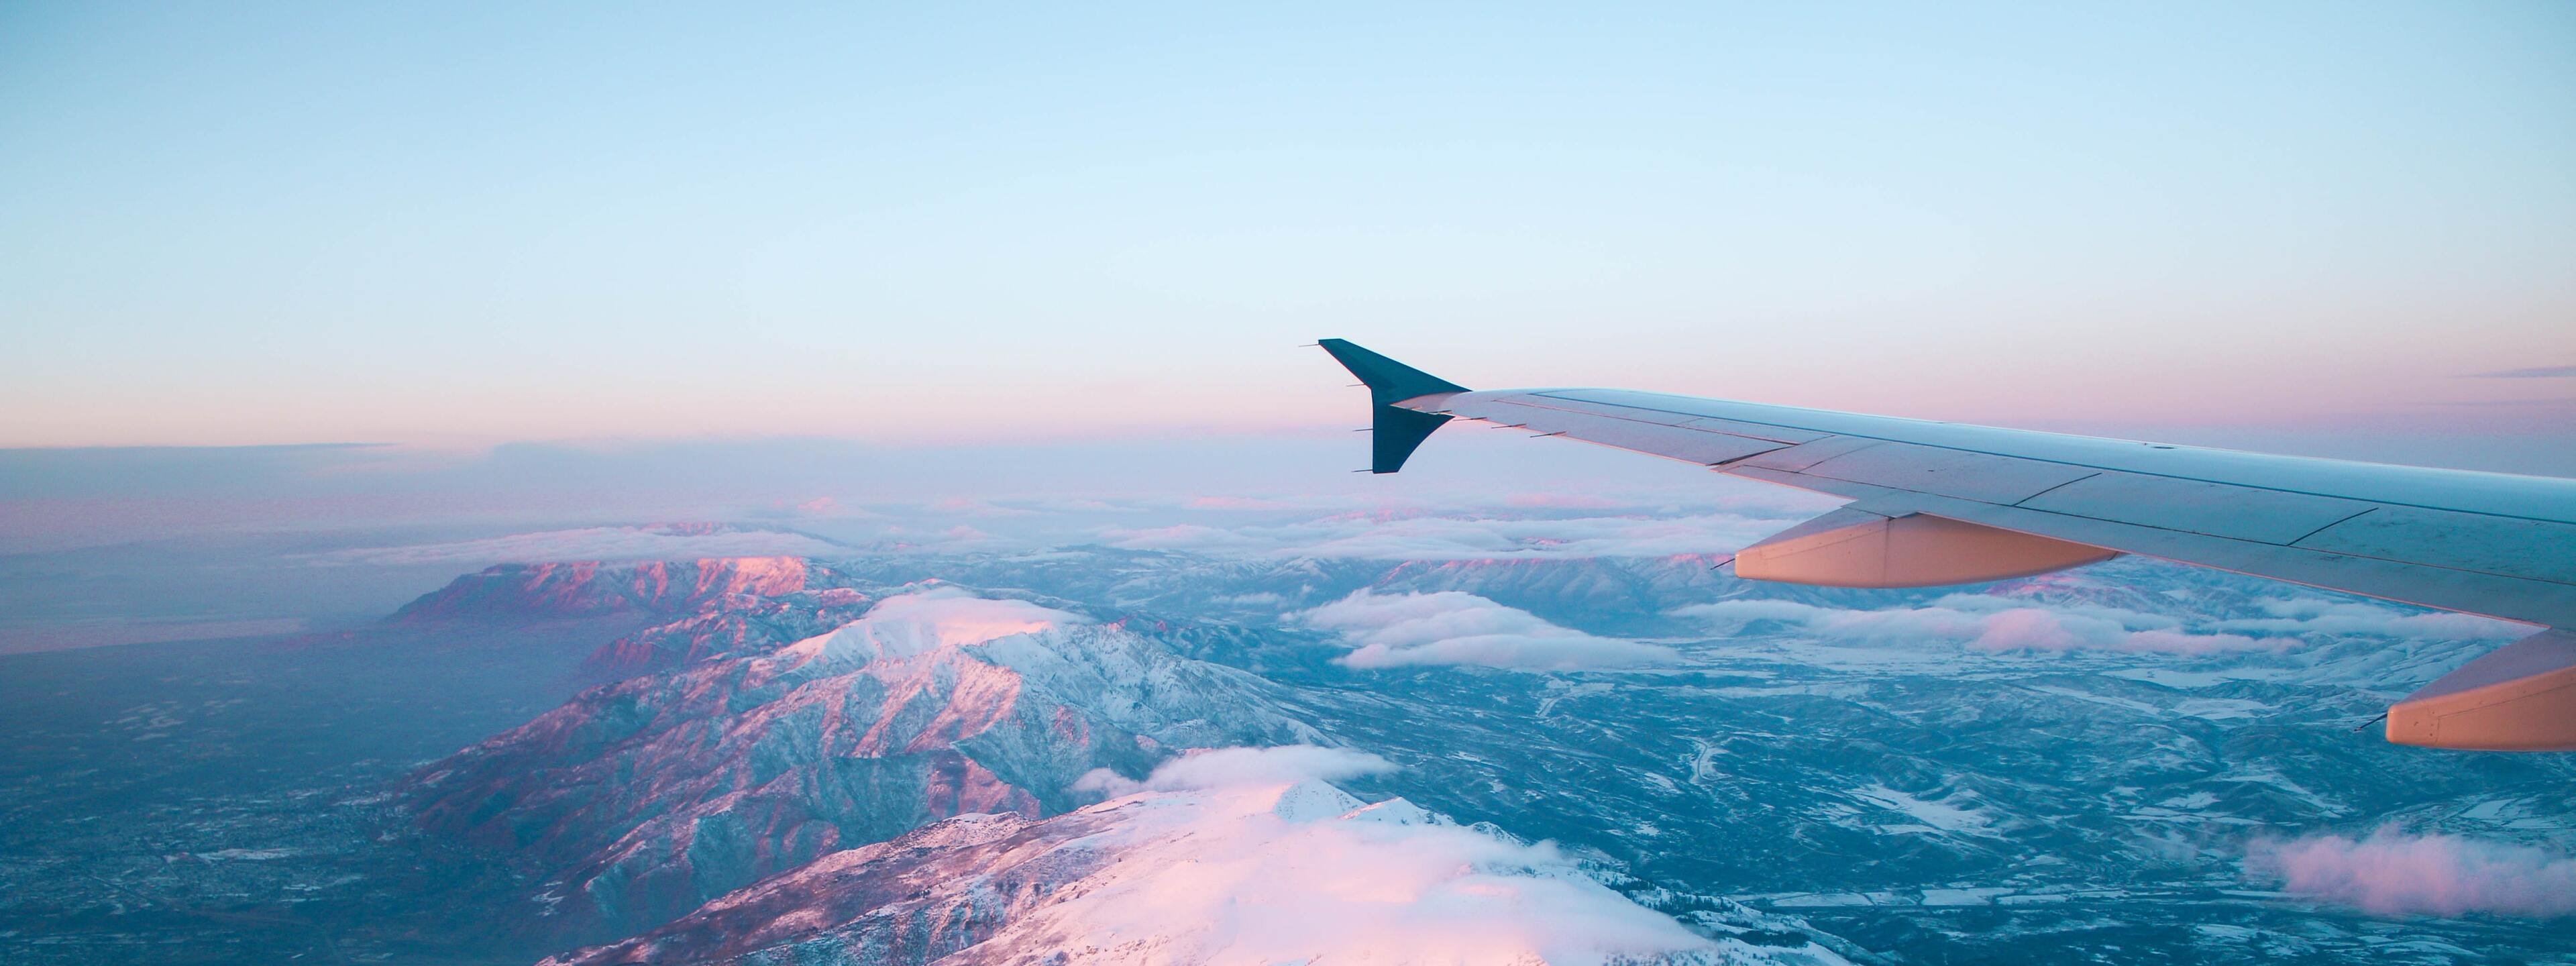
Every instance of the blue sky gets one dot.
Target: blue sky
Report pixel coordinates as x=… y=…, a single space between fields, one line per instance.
x=228 y=224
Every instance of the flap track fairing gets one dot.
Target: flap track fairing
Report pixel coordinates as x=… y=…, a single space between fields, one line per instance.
x=1853 y=547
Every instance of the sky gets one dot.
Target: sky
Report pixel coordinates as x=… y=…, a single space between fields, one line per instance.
x=466 y=225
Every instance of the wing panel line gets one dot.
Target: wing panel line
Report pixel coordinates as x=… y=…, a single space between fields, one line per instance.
x=2088 y=476
x=2304 y=536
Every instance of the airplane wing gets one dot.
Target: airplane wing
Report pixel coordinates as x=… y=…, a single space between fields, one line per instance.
x=1938 y=503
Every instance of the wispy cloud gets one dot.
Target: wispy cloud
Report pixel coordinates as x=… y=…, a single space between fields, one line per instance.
x=2534 y=372
x=1984 y=623
x=2309 y=615
x=1450 y=627
x=1995 y=623
x=1228 y=767
x=598 y=543
x=2550 y=403
x=2395 y=873
x=1427 y=537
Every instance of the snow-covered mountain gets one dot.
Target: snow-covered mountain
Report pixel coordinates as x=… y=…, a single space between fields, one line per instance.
x=730 y=624
x=641 y=799
x=588 y=588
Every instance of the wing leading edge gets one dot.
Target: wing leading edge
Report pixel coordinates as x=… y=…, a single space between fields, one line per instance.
x=1941 y=503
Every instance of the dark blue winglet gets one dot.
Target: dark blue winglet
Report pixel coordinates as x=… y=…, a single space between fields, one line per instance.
x=1395 y=432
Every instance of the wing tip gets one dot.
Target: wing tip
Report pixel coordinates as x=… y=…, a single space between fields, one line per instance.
x=1395 y=432
x=1388 y=381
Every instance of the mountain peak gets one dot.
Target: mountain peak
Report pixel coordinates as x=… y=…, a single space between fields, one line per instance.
x=917 y=623
x=1314 y=801
x=1397 y=811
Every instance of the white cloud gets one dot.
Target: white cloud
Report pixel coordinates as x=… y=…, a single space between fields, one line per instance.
x=1189 y=538
x=1984 y=623
x=2309 y=615
x=2005 y=624
x=598 y=543
x=1228 y=872
x=1230 y=767
x=1424 y=537
x=961 y=506
x=2394 y=873
x=955 y=538
x=1451 y=627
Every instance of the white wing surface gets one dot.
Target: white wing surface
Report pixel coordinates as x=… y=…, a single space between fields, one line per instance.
x=1942 y=503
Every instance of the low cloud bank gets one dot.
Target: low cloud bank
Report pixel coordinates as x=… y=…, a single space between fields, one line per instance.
x=2004 y=624
x=1366 y=537
x=1230 y=767
x=2309 y=615
x=1985 y=623
x=1452 y=627
x=598 y=543
x=1252 y=859
x=2395 y=873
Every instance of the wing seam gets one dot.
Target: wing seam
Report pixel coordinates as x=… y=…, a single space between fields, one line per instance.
x=1680 y=425
x=2096 y=473
x=1719 y=465
x=2304 y=536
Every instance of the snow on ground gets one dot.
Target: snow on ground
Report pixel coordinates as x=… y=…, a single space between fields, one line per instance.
x=1937 y=815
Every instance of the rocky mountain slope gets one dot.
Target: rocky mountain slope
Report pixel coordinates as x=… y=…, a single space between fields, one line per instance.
x=639 y=800
x=588 y=588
